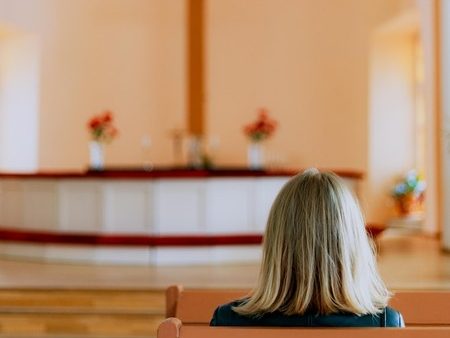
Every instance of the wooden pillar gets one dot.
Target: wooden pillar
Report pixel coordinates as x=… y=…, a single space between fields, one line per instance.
x=195 y=66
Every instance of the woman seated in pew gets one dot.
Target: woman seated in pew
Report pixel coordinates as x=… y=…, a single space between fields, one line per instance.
x=318 y=267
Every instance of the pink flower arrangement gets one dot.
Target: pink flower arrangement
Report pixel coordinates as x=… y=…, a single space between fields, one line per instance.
x=262 y=128
x=101 y=127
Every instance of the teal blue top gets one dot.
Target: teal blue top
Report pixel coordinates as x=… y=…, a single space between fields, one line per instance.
x=225 y=316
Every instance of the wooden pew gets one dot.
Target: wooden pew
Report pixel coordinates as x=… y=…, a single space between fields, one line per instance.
x=173 y=328
x=418 y=307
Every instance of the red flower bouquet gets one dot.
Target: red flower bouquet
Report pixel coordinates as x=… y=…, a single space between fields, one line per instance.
x=262 y=128
x=101 y=127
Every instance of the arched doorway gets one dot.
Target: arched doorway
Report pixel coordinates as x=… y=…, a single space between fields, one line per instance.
x=402 y=130
x=19 y=100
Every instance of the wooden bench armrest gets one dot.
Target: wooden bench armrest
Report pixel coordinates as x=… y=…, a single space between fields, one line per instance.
x=169 y=328
x=173 y=293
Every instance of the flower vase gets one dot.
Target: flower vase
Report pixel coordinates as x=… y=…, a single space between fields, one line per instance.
x=255 y=156
x=96 y=156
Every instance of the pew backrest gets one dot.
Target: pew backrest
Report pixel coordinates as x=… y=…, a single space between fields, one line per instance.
x=173 y=328
x=196 y=306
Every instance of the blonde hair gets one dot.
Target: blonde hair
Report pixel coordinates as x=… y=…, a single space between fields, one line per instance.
x=316 y=254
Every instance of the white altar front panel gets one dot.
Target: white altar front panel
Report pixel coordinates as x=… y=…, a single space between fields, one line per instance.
x=11 y=203
x=264 y=195
x=40 y=205
x=229 y=206
x=178 y=206
x=191 y=206
x=80 y=206
x=127 y=207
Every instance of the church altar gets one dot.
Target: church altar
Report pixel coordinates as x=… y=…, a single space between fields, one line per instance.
x=167 y=216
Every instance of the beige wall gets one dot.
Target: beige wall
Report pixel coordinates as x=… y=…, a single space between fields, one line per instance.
x=307 y=62
x=126 y=56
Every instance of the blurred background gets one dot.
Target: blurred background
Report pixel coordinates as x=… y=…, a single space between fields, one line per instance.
x=95 y=94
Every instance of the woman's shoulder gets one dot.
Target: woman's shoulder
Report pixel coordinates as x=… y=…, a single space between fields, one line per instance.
x=224 y=315
x=387 y=318
x=393 y=318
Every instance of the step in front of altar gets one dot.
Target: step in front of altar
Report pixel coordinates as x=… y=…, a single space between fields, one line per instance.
x=126 y=255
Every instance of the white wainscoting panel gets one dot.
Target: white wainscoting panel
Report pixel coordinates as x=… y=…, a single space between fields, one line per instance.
x=123 y=255
x=265 y=192
x=205 y=255
x=178 y=206
x=81 y=206
x=30 y=251
x=12 y=203
x=127 y=207
x=40 y=205
x=229 y=205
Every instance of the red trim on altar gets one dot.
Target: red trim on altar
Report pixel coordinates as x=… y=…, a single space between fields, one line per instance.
x=169 y=173
x=49 y=237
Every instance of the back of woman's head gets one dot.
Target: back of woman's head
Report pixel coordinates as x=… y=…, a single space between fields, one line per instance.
x=316 y=254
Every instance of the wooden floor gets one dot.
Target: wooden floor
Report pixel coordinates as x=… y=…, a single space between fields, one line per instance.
x=405 y=261
x=413 y=262
x=60 y=300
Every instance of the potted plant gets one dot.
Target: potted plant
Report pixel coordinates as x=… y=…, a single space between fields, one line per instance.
x=409 y=193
